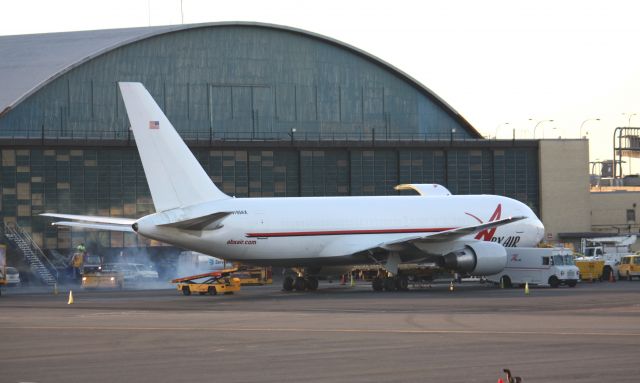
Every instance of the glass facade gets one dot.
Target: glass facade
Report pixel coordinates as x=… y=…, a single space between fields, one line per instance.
x=111 y=181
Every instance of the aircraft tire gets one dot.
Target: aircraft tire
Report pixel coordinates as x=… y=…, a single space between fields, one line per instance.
x=605 y=273
x=298 y=284
x=311 y=283
x=402 y=283
x=506 y=282
x=390 y=284
x=377 y=284
x=287 y=284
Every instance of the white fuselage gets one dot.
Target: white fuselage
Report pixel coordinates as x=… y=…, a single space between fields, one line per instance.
x=323 y=230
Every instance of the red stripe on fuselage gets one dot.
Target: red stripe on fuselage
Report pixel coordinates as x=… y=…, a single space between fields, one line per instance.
x=346 y=232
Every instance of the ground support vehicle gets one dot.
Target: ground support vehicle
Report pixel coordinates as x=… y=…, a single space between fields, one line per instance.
x=213 y=283
x=133 y=272
x=609 y=249
x=254 y=276
x=538 y=266
x=629 y=267
x=590 y=268
x=102 y=280
x=96 y=276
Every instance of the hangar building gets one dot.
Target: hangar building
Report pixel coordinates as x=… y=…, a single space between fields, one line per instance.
x=268 y=110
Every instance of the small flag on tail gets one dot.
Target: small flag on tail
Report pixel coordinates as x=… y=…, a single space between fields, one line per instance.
x=154 y=124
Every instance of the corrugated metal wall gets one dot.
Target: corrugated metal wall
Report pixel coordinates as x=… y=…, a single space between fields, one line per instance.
x=235 y=81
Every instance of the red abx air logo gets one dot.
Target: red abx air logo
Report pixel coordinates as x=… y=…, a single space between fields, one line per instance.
x=487 y=234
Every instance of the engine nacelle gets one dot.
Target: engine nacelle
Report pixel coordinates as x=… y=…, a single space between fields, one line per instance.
x=478 y=258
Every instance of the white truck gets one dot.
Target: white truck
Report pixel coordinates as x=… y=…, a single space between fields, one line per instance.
x=609 y=249
x=538 y=266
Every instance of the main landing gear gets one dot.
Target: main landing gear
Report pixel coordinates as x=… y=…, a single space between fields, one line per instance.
x=300 y=283
x=390 y=283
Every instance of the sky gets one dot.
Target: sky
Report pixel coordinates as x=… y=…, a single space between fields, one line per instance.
x=504 y=65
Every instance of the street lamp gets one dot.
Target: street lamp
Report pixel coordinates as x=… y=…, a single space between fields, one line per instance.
x=498 y=127
x=584 y=122
x=630 y=116
x=293 y=130
x=535 y=127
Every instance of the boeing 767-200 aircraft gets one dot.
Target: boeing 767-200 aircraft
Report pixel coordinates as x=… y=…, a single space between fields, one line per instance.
x=465 y=233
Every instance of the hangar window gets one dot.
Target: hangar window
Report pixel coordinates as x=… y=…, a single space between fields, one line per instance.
x=631 y=215
x=8 y=157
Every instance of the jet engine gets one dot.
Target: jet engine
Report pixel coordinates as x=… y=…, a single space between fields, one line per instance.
x=477 y=258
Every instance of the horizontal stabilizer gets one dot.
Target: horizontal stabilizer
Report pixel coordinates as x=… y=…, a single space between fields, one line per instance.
x=92 y=218
x=95 y=226
x=94 y=222
x=206 y=222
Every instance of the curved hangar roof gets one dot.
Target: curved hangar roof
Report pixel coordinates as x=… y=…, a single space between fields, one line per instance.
x=30 y=62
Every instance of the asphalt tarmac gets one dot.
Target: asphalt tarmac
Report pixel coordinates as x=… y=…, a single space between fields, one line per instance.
x=590 y=333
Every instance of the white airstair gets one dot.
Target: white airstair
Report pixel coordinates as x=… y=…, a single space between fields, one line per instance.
x=33 y=255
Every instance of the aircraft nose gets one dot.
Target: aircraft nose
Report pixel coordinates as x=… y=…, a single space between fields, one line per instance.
x=540 y=230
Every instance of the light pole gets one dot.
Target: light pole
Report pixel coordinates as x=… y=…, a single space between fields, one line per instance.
x=498 y=127
x=584 y=122
x=535 y=127
x=630 y=116
x=293 y=130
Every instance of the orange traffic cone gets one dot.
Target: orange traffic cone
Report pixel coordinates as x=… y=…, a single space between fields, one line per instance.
x=500 y=380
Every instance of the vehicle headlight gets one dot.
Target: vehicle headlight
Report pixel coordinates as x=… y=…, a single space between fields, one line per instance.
x=84 y=278
x=113 y=279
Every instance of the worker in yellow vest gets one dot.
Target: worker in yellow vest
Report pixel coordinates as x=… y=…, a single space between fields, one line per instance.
x=77 y=260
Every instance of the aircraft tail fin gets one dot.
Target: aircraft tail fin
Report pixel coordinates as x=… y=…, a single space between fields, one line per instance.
x=175 y=177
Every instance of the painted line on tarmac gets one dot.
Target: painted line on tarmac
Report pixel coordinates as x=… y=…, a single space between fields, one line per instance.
x=327 y=330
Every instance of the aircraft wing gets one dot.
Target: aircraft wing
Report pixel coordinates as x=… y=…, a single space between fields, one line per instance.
x=407 y=246
x=93 y=222
x=453 y=234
